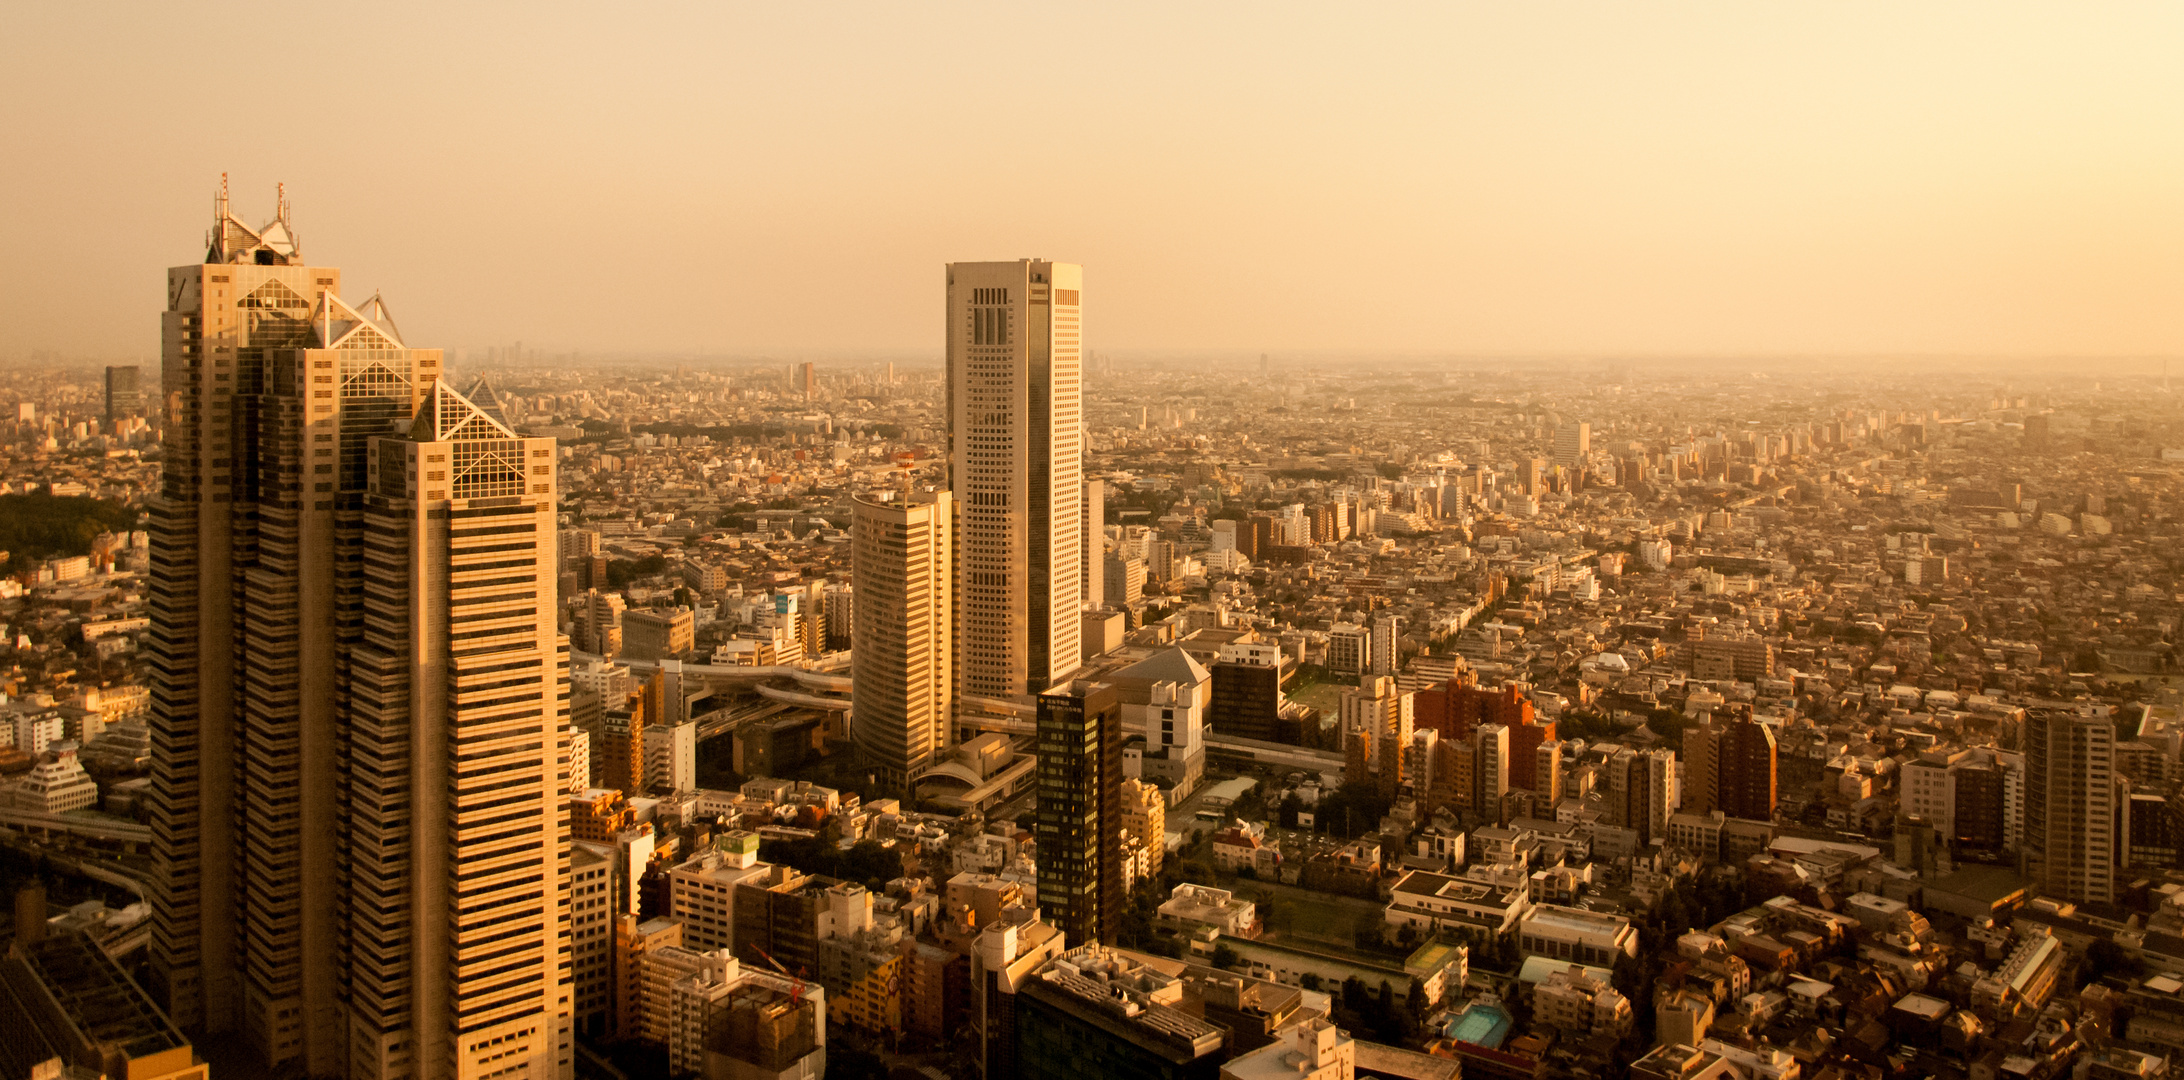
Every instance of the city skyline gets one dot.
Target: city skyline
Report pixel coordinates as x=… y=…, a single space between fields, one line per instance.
x=1558 y=543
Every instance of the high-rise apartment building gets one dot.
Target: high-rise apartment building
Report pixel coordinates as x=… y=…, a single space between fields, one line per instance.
x=360 y=860
x=1375 y=721
x=1016 y=431
x=1079 y=824
x=2070 y=804
x=904 y=637
x=1387 y=640
x=1730 y=765
x=124 y=397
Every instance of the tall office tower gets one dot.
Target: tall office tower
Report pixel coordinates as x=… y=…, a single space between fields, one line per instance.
x=123 y=397
x=294 y=861
x=1016 y=431
x=1572 y=443
x=903 y=639
x=806 y=380
x=1081 y=879
x=1535 y=477
x=459 y=856
x=2070 y=805
x=1092 y=533
x=224 y=767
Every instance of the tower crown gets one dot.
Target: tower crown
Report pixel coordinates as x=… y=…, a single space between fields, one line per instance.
x=231 y=241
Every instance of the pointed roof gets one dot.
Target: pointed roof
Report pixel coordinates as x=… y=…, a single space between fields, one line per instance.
x=339 y=326
x=234 y=242
x=1171 y=664
x=488 y=402
x=448 y=416
x=375 y=309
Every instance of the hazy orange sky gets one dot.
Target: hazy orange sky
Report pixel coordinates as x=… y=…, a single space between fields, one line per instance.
x=787 y=179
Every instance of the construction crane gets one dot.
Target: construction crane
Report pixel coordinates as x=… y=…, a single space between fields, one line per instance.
x=796 y=982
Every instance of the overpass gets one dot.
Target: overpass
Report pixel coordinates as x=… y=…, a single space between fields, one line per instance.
x=103 y=829
x=1278 y=754
x=823 y=682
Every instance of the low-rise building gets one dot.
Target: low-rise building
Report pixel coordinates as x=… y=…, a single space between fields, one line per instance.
x=1575 y=999
x=57 y=784
x=702 y=890
x=2025 y=980
x=1096 y=1011
x=1313 y=1050
x=1432 y=902
x=1588 y=937
x=1192 y=908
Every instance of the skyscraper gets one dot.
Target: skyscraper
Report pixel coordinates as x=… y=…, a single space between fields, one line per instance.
x=903 y=651
x=2070 y=804
x=123 y=397
x=457 y=934
x=1572 y=442
x=357 y=697
x=1079 y=825
x=1016 y=432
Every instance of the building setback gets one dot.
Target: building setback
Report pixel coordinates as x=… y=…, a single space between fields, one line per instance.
x=349 y=652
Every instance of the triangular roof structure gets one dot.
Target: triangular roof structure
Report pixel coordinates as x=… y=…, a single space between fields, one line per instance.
x=448 y=416
x=1171 y=664
x=339 y=326
x=488 y=401
x=231 y=241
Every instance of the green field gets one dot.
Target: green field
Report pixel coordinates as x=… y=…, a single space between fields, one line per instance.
x=1303 y=916
x=1324 y=696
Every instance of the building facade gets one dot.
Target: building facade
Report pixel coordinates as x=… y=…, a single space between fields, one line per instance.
x=346 y=556
x=2070 y=805
x=1079 y=829
x=1016 y=429
x=904 y=637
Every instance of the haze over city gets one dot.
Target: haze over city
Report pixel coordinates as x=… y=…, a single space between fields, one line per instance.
x=1208 y=542
x=745 y=180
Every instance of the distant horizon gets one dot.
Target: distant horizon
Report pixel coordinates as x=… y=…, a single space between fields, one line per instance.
x=1713 y=179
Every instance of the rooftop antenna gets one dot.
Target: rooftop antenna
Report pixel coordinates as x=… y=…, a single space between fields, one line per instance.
x=280 y=202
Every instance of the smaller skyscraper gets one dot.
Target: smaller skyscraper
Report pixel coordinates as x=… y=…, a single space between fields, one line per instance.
x=1079 y=826
x=123 y=398
x=2070 y=804
x=903 y=638
x=1730 y=765
x=1572 y=443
